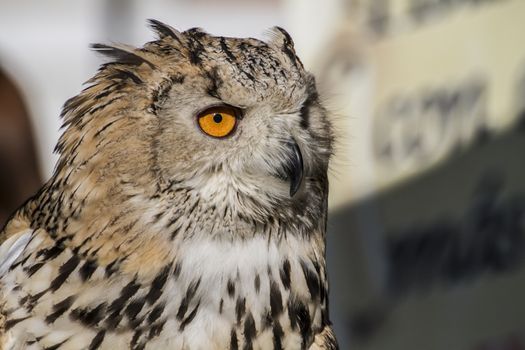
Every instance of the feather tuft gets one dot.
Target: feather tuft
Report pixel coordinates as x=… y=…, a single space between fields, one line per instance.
x=121 y=55
x=163 y=30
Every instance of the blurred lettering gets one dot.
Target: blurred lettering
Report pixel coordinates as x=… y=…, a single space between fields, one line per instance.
x=417 y=129
x=421 y=11
x=383 y=21
x=490 y=237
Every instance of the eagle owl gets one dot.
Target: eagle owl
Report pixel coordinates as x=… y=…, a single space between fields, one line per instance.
x=187 y=209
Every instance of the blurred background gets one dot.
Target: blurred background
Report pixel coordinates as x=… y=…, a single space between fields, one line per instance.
x=426 y=238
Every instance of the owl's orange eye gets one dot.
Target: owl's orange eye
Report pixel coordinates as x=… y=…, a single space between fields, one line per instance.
x=218 y=121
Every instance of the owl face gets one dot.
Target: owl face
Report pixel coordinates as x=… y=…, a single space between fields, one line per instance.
x=235 y=124
x=244 y=126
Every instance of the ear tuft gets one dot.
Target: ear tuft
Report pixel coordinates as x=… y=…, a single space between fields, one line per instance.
x=121 y=54
x=163 y=30
x=280 y=38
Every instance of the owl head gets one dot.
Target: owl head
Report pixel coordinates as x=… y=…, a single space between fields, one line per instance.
x=236 y=123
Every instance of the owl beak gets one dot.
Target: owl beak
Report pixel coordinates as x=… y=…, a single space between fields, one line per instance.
x=295 y=168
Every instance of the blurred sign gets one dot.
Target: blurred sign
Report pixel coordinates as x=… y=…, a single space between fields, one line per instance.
x=437 y=262
x=417 y=80
x=427 y=232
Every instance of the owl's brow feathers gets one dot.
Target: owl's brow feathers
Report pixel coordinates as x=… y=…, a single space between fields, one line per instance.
x=129 y=67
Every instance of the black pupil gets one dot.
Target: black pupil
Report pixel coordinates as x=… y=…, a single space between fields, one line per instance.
x=217 y=118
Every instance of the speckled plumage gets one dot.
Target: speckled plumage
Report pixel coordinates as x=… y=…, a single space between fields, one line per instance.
x=151 y=234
